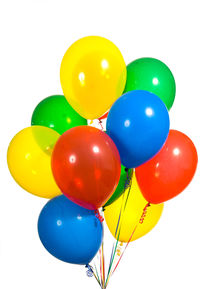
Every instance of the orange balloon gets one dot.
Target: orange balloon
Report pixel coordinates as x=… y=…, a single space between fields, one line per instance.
x=170 y=171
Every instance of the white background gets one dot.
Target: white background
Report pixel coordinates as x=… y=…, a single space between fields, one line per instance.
x=34 y=37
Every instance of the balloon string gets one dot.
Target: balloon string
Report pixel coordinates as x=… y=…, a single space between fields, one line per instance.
x=90 y=272
x=113 y=252
x=114 y=245
x=110 y=266
x=103 y=267
x=100 y=123
x=140 y=222
x=101 y=253
x=113 y=256
x=101 y=279
x=102 y=256
x=126 y=185
x=97 y=275
x=118 y=227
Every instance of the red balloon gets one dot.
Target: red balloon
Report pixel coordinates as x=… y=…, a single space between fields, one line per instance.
x=86 y=166
x=170 y=171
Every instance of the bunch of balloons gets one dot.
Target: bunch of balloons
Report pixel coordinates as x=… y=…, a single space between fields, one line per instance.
x=129 y=169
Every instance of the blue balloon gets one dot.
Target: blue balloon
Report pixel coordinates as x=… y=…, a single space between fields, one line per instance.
x=138 y=123
x=69 y=232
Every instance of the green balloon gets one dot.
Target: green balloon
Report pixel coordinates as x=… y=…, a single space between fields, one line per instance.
x=154 y=76
x=122 y=185
x=56 y=113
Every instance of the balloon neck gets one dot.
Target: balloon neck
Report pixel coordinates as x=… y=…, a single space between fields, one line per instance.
x=97 y=214
x=144 y=213
x=128 y=179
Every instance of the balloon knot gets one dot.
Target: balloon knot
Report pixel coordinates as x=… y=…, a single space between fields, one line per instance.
x=89 y=271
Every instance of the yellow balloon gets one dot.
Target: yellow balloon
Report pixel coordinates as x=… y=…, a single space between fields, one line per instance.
x=29 y=160
x=132 y=212
x=93 y=75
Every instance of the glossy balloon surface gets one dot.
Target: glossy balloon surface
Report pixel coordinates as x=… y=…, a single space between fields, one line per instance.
x=152 y=75
x=29 y=160
x=69 y=232
x=170 y=171
x=86 y=166
x=138 y=123
x=56 y=113
x=131 y=215
x=93 y=75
